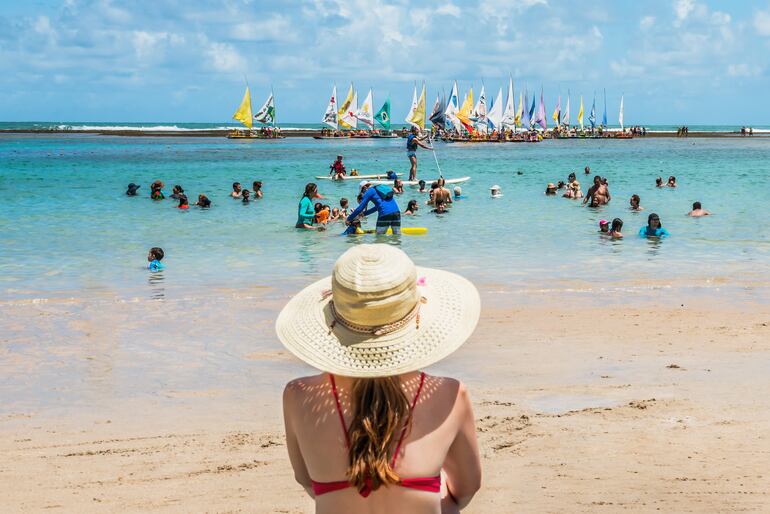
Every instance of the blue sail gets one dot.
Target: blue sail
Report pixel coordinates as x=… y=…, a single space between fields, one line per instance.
x=532 y=110
x=525 y=116
x=592 y=115
x=604 y=116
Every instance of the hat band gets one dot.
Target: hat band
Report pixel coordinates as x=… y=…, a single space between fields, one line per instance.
x=378 y=330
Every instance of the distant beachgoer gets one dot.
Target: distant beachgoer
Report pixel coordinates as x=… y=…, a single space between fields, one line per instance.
x=573 y=191
x=635 y=200
x=411 y=208
x=183 y=202
x=653 y=227
x=156 y=190
x=698 y=211
x=176 y=192
x=571 y=178
x=421 y=183
x=550 y=189
x=203 y=202
x=412 y=142
x=153 y=259
x=671 y=181
x=495 y=191
x=337 y=169
x=587 y=170
x=257 y=189
x=604 y=226
x=236 y=190
x=131 y=191
x=440 y=207
x=458 y=193
x=388 y=213
x=371 y=432
x=616 y=228
x=398 y=186
x=659 y=182
x=560 y=185
x=306 y=212
x=344 y=207
x=245 y=196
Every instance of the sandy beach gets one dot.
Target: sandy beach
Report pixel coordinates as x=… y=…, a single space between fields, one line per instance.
x=652 y=405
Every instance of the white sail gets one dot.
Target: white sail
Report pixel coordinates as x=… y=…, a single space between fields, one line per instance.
x=509 y=115
x=330 y=116
x=480 y=111
x=266 y=113
x=495 y=114
x=452 y=106
x=620 y=116
x=565 y=116
x=349 y=115
x=364 y=113
x=412 y=108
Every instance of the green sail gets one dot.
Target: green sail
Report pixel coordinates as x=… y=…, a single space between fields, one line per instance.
x=383 y=115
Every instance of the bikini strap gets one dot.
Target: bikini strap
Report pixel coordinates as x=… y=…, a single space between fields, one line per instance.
x=339 y=410
x=408 y=420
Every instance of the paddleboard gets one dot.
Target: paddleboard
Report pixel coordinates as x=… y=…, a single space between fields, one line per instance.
x=407 y=231
x=427 y=181
x=383 y=176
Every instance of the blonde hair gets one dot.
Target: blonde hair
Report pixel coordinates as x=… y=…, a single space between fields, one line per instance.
x=380 y=414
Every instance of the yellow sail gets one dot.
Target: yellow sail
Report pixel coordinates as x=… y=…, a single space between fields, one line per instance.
x=520 y=110
x=243 y=114
x=467 y=106
x=418 y=118
x=344 y=108
x=580 y=112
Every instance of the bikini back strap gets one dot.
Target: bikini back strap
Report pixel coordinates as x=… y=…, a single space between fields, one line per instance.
x=339 y=410
x=408 y=421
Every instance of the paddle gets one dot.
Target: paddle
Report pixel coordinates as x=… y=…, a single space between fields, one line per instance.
x=433 y=149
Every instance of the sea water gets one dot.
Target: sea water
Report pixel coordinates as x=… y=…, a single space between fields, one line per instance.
x=67 y=229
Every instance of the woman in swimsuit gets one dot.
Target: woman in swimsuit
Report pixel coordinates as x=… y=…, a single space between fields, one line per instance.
x=373 y=433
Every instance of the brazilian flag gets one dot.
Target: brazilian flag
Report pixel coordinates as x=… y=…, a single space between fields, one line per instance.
x=383 y=115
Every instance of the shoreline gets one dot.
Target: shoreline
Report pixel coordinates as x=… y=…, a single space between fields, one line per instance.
x=317 y=132
x=625 y=414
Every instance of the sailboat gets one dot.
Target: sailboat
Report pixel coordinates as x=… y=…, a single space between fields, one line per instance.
x=508 y=122
x=330 y=119
x=383 y=119
x=265 y=115
x=623 y=134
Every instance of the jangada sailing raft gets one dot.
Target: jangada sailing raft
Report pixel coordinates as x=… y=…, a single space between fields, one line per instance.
x=343 y=121
x=265 y=116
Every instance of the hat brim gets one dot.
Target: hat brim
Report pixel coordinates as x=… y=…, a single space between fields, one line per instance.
x=446 y=320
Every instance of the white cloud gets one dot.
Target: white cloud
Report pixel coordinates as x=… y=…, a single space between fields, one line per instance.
x=683 y=8
x=449 y=9
x=762 y=22
x=277 y=27
x=743 y=70
x=647 y=22
x=224 y=57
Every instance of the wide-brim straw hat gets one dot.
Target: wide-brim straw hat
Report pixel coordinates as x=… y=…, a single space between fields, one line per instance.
x=379 y=315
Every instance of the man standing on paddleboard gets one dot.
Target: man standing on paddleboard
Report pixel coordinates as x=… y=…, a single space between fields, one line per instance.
x=412 y=142
x=388 y=213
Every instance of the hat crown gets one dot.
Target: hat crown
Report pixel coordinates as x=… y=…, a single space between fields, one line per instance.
x=374 y=285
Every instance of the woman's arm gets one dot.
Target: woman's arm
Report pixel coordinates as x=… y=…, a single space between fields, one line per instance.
x=301 y=474
x=463 y=464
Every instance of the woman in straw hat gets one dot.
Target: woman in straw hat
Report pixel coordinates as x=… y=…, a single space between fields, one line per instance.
x=372 y=433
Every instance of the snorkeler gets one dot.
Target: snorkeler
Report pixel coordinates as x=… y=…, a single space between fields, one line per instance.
x=412 y=142
x=635 y=200
x=131 y=191
x=698 y=211
x=653 y=227
x=236 y=190
x=337 y=169
x=153 y=259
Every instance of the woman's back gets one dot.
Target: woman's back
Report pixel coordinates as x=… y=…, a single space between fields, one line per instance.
x=438 y=438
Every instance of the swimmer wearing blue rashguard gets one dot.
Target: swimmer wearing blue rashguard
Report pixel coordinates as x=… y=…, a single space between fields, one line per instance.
x=153 y=258
x=388 y=213
x=653 y=227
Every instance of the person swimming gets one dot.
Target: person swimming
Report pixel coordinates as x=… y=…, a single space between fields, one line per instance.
x=659 y=182
x=587 y=170
x=634 y=202
x=698 y=211
x=458 y=193
x=653 y=227
x=495 y=191
x=203 y=202
x=440 y=207
x=422 y=189
x=176 y=192
x=671 y=181
x=550 y=189
x=604 y=226
x=156 y=190
x=257 y=189
x=411 y=208
x=398 y=186
x=615 y=229
x=245 y=193
x=154 y=257
x=236 y=190
x=183 y=202
x=131 y=191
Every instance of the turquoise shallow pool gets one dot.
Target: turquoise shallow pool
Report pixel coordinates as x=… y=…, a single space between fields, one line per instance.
x=67 y=228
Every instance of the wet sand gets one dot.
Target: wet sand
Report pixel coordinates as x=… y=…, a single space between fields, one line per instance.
x=168 y=406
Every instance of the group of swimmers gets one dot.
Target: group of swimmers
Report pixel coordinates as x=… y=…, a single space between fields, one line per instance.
x=177 y=193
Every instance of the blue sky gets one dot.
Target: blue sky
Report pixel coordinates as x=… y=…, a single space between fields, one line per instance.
x=676 y=61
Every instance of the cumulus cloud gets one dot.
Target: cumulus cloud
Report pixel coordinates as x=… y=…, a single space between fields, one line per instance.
x=647 y=22
x=762 y=22
x=683 y=8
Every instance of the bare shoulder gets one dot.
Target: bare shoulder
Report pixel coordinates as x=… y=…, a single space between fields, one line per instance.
x=301 y=386
x=450 y=388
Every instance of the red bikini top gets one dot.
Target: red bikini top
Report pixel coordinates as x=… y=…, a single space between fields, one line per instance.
x=429 y=484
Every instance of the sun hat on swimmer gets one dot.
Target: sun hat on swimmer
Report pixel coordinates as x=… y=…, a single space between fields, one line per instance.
x=379 y=315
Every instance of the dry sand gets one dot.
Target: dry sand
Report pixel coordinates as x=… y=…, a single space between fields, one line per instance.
x=579 y=409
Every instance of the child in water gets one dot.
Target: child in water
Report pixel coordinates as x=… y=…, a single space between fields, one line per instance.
x=440 y=207
x=321 y=213
x=156 y=190
x=335 y=215
x=154 y=258
x=245 y=196
x=604 y=226
x=344 y=208
x=183 y=203
x=354 y=228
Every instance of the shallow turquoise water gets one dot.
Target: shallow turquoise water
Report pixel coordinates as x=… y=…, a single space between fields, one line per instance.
x=67 y=228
